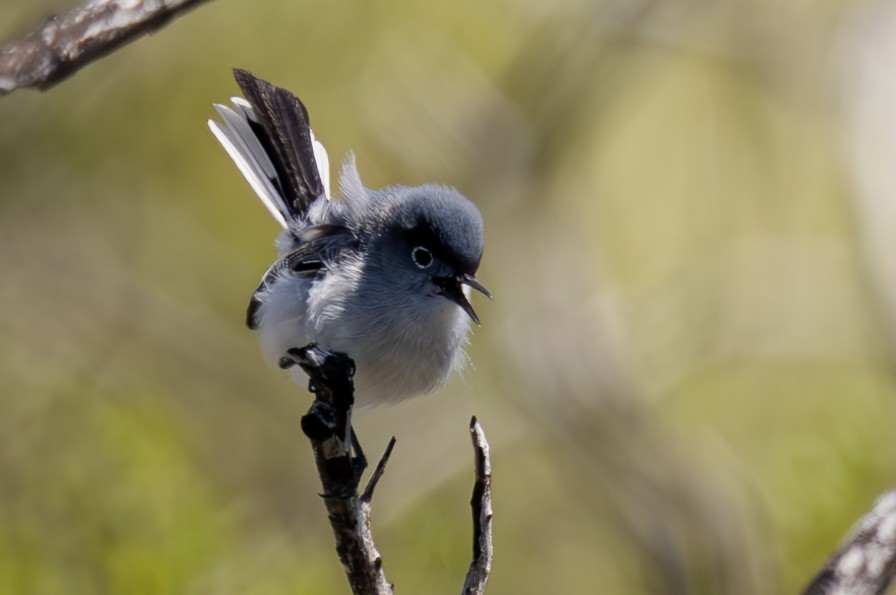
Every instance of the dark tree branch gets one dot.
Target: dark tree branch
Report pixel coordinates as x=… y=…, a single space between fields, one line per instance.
x=67 y=42
x=328 y=426
x=866 y=563
x=481 y=502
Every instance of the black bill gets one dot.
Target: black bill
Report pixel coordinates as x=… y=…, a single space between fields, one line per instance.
x=452 y=288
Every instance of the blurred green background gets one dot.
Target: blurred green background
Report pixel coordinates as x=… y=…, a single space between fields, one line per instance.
x=687 y=372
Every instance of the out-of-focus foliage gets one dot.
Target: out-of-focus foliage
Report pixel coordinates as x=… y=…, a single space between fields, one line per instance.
x=686 y=372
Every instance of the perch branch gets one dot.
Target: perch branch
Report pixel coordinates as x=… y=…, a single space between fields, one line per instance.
x=481 y=502
x=340 y=464
x=866 y=563
x=67 y=42
x=328 y=426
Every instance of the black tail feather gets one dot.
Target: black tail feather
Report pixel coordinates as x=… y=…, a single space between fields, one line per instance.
x=284 y=132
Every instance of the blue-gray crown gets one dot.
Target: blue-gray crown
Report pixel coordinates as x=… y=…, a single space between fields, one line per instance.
x=445 y=221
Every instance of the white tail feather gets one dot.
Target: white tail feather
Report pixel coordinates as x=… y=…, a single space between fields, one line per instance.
x=323 y=163
x=253 y=161
x=253 y=173
x=239 y=124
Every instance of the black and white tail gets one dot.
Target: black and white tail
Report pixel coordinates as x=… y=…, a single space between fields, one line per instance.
x=267 y=135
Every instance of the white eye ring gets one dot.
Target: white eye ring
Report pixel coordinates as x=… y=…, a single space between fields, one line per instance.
x=422 y=257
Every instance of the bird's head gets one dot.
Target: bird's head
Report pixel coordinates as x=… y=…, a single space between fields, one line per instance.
x=434 y=239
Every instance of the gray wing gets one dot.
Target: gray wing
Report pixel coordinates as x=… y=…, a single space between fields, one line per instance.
x=281 y=126
x=320 y=247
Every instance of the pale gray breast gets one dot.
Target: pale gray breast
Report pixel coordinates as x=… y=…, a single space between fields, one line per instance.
x=403 y=343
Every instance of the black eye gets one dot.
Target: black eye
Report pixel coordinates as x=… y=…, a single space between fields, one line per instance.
x=422 y=257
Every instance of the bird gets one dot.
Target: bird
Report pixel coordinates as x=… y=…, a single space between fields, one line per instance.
x=383 y=275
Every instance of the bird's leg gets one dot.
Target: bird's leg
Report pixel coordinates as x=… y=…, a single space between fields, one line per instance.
x=329 y=419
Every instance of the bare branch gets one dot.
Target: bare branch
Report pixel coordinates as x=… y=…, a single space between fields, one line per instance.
x=340 y=464
x=328 y=426
x=866 y=563
x=66 y=43
x=481 y=502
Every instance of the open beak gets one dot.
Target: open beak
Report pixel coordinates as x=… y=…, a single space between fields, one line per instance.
x=452 y=288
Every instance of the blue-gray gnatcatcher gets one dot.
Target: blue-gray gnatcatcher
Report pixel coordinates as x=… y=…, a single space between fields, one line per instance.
x=383 y=275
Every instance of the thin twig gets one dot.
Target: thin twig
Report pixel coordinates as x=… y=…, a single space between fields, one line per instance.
x=367 y=496
x=866 y=563
x=67 y=42
x=481 y=502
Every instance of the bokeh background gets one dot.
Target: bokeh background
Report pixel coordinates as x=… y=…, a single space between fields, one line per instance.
x=687 y=371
